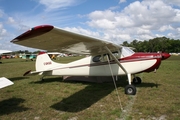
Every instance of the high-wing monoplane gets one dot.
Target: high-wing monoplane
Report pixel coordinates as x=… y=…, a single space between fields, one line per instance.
x=4 y=82
x=105 y=58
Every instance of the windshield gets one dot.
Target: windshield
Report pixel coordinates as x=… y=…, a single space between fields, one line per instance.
x=126 y=51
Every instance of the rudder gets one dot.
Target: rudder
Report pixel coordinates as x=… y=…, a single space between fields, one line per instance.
x=43 y=62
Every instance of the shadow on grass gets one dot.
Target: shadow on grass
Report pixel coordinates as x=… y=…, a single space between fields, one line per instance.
x=122 y=82
x=148 y=85
x=47 y=80
x=12 y=105
x=84 y=98
x=17 y=78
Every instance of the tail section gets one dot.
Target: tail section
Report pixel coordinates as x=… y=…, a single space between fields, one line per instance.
x=43 y=62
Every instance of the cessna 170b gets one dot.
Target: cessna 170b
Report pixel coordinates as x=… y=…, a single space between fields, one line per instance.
x=105 y=58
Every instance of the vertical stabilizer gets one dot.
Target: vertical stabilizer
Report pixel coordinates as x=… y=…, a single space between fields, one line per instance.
x=43 y=62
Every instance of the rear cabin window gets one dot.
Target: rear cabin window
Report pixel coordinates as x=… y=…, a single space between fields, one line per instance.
x=97 y=58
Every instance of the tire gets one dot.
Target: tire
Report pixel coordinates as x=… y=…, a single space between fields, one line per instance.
x=130 y=90
x=137 y=80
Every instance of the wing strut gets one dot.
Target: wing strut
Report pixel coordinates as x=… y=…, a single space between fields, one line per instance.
x=129 y=89
x=116 y=60
x=115 y=84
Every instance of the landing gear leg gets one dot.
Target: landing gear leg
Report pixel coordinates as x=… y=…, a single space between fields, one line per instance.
x=130 y=89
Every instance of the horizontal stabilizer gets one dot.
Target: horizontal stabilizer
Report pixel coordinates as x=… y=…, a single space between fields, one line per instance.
x=4 y=82
x=30 y=73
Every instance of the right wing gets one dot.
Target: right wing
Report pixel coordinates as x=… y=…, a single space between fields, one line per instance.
x=4 y=82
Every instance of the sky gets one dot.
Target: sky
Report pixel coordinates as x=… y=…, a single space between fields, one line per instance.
x=113 y=20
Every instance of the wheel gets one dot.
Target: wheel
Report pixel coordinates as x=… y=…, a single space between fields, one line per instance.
x=130 y=90
x=42 y=79
x=137 y=80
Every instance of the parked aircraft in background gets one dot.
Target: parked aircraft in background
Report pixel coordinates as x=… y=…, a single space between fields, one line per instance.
x=4 y=82
x=105 y=58
x=28 y=56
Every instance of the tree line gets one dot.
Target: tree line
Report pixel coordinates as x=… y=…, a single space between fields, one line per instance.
x=162 y=44
x=25 y=51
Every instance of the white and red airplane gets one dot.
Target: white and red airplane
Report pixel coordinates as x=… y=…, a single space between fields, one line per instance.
x=106 y=58
x=4 y=82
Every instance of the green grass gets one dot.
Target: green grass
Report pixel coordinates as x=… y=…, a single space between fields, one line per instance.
x=162 y=97
x=55 y=99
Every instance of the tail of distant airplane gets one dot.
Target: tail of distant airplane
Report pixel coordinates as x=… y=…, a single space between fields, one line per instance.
x=4 y=82
x=43 y=62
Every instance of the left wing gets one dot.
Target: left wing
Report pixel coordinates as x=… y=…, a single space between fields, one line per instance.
x=4 y=82
x=47 y=37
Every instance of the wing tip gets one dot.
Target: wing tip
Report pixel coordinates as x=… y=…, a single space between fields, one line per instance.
x=37 y=30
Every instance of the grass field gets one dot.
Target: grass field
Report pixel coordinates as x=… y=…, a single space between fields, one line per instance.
x=157 y=97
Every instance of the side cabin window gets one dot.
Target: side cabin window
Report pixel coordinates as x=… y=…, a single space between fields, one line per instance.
x=116 y=54
x=105 y=57
x=121 y=53
x=97 y=58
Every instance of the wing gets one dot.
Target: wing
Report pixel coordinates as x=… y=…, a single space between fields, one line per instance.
x=47 y=37
x=4 y=82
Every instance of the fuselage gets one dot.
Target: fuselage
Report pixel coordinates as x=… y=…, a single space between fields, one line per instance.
x=100 y=65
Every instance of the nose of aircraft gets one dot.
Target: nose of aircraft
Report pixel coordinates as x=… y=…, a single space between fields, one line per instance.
x=165 y=56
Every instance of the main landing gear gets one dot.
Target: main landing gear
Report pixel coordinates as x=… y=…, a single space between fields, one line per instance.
x=131 y=89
